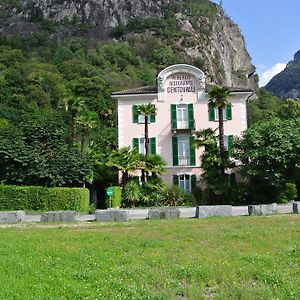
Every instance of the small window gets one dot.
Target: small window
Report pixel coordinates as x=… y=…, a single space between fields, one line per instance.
x=184 y=182
x=217 y=114
x=141 y=119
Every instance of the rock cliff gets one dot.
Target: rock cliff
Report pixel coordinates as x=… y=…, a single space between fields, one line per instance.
x=201 y=33
x=286 y=84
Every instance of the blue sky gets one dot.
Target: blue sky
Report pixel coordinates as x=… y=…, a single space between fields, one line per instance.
x=271 y=29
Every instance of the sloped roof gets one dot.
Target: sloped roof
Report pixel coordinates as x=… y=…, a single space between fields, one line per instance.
x=152 y=89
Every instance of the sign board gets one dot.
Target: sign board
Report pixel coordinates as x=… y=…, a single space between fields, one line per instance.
x=109 y=192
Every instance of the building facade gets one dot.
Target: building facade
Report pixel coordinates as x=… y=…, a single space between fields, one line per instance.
x=181 y=101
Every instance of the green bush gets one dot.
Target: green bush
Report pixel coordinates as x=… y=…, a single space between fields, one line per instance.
x=289 y=193
x=43 y=199
x=116 y=197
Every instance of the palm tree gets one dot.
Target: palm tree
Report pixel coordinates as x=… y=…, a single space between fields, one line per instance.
x=153 y=163
x=126 y=159
x=73 y=104
x=146 y=110
x=87 y=120
x=218 y=99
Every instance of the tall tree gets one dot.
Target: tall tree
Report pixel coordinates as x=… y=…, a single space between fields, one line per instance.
x=73 y=104
x=218 y=98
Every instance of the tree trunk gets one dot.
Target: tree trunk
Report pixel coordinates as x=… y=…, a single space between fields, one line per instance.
x=146 y=148
x=84 y=138
x=221 y=138
x=73 y=126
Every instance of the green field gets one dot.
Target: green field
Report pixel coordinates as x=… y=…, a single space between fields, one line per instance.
x=216 y=258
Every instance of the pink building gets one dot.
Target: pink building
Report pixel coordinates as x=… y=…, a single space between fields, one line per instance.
x=181 y=100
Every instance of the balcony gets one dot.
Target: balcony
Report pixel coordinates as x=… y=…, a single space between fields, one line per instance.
x=183 y=125
x=183 y=161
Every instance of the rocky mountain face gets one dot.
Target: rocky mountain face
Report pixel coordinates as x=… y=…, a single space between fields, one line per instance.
x=196 y=31
x=286 y=84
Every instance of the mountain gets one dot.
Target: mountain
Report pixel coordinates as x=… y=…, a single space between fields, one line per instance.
x=172 y=31
x=286 y=84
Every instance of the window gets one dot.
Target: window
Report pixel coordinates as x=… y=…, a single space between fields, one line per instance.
x=213 y=113
x=136 y=118
x=185 y=181
x=183 y=151
x=228 y=142
x=139 y=144
x=182 y=116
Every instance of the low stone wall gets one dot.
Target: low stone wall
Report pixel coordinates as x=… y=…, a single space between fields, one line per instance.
x=163 y=213
x=12 y=216
x=59 y=216
x=214 y=210
x=263 y=209
x=111 y=215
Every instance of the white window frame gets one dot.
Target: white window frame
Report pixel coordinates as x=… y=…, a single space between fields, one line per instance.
x=217 y=114
x=141 y=119
x=182 y=116
x=185 y=182
x=184 y=150
x=226 y=139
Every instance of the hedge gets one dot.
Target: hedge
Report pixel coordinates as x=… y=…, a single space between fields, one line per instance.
x=116 y=197
x=43 y=199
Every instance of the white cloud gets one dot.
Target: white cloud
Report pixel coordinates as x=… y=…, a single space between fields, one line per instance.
x=266 y=76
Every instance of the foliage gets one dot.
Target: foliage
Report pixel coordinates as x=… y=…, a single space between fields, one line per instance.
x=289 y=193
x=270 y=156
x=264 y=108
x=116 y=199
x=131 y=195
x=43 y=199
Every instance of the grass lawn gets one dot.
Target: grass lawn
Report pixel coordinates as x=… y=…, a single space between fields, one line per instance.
x=219 y=258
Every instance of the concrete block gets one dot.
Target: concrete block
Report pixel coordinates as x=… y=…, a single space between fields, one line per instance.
x=163 y=213
x=137 y=214
x=263 y=209
x=285 y=208
x=240 y=211
x=214 y=210
x=59 y=216
x=12 y=216
x=296 y=207
x=111 y=215
x=187 y=212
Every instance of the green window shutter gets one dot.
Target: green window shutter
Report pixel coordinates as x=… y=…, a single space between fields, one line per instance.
x=152 y=145
x=173 y=116
x=135 y=116
x=175 y=180
x=152 y=118
x=175 y=150
x=230 y=142
x=229 y=112
x=191 y=116
x=135 y=143
x=211 y=114
x=193 y=181
x=192 y=152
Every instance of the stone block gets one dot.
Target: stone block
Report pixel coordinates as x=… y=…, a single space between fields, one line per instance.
x=59 y=216
x=296 y=207
x=12 y=216
x=111 y=215
x=263 y=209
x=163 y=213
x=214 y=210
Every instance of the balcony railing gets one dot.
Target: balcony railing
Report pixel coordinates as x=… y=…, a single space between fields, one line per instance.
x=183 y=124
x=184 y=161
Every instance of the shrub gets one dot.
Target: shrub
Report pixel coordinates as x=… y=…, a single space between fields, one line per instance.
x=289 y=193
x=175 y=196
x=115 y=198
x=43 y=199
x=131 y=195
